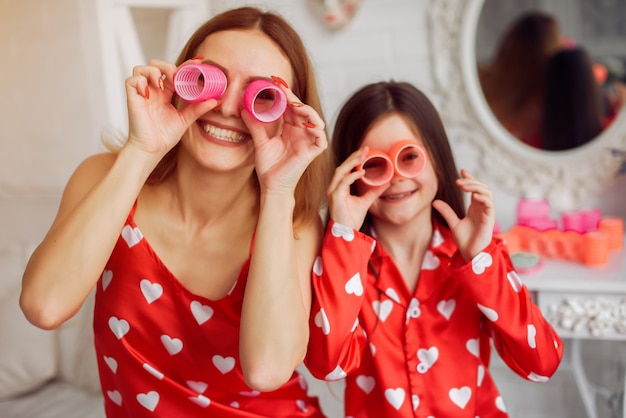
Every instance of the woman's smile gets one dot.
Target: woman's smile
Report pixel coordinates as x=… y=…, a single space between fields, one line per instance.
x=223 y=134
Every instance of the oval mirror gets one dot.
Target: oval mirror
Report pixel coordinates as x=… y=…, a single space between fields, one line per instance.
x=566 y=178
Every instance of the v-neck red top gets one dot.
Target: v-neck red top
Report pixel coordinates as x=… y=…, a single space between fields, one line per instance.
x=165 y=352
x=423 y=353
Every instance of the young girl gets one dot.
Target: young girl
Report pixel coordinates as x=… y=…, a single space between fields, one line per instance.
x=198 y=235
x=410 y=291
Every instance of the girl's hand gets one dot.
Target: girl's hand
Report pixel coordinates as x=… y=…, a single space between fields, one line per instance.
x=155 y=125
x=281 y=160
x=474 y=232
x=345 y=208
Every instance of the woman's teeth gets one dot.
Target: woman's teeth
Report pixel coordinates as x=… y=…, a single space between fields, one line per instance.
x=223 y=134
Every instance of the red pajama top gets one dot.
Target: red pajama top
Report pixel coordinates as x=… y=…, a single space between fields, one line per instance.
x=165 y=352
x=423 y=353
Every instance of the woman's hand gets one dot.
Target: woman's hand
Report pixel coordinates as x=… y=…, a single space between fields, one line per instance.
x=155 y=125
x=281 y=160
x=345 y=208
x=474 y=232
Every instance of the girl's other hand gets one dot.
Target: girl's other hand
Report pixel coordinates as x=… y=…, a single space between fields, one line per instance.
x=473 y=233
x=345 y=208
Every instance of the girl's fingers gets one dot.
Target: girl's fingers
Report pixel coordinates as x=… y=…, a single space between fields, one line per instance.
x=446 y=212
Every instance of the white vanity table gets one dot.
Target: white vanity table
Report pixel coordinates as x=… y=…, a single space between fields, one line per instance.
x=572 y=296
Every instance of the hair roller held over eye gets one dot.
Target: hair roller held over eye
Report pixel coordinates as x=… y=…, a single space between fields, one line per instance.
x=265 y=100
x=405 y=159
x=199 y=82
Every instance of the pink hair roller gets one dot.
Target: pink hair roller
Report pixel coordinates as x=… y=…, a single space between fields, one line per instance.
x=405 y=159
x=265 y=100
x=199 y=82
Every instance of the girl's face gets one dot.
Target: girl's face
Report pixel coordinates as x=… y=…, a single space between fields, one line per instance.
x=220 y=139
x=405 y=199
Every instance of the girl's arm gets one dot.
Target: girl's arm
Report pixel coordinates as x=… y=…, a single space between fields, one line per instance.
x=339 y=282
x=522 y=336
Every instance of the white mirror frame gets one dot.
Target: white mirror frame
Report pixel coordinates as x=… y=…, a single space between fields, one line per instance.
x=568 y=179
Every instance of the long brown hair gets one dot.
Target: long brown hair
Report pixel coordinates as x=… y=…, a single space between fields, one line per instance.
x=311 y=189
x=573 y=111
x=515 y=77
x=374 y=101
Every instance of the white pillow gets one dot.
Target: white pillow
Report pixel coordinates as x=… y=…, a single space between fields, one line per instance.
x=28 y=355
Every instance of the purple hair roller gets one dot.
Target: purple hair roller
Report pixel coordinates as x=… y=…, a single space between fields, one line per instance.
x=199 y=82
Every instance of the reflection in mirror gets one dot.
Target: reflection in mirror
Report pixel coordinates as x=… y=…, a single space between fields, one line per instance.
x=547 y=77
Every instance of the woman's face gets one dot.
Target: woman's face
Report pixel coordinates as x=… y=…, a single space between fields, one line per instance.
x=405 y=198
x=220 y=139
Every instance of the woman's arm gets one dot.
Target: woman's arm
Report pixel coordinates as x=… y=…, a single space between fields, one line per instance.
x=66 y=265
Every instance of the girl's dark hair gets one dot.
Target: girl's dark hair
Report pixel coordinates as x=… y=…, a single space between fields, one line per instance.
x=573 y=110
x=375 y=101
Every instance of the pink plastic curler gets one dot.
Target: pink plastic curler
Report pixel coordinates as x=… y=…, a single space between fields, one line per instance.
x=265 y=100
x=406 y=159
x=378 y=168
x=199 y=82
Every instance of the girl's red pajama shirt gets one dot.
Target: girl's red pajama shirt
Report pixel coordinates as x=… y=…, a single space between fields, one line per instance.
x=423 y=353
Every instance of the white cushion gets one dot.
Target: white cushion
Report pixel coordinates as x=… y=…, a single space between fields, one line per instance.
x=77 y=360
x=28 y=355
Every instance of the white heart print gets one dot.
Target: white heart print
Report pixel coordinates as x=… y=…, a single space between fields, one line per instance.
x=382 y=309
x=107 y=276
x=481 y=262
x=172 y=345
x=427 y=358
x=415 y=400
x=354 y=286
x=446 y=308
x=337 y=374
x=223 y=364
x=115 y=397
x=131 y=235
x=395 y=397
x=460 y=396
x=431 y=261
x=500 y=404
x=318 y=267
x=532 y=334
x=198 y=387
x=342 y=231
x=119 y=327
x=112 y=363
x=366 y=383
x=491 y=314
x=201 y=312
x=149 y=400
x=150 y=291
x=321 y=321
x=472 y=346
x=481 y=375
x=200 y=400
x=392 y=294
x=437 y=239
x=538 y=378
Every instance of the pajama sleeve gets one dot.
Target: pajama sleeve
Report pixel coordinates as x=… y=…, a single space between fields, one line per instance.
x=525 y=341
x=339 y=280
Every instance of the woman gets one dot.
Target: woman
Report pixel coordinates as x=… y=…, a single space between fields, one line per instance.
x=199 y=236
